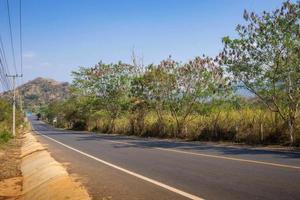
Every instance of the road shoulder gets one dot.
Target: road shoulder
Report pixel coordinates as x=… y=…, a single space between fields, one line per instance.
x=10 y=172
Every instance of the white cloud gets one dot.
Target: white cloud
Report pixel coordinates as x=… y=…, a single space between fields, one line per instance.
x=37 y=64
x=29 y=55
x=46 y=64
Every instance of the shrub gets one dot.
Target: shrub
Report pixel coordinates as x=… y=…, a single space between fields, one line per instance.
x=5 y=136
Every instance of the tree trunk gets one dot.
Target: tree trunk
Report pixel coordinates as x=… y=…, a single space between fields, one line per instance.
x=159 y=120
x=291 y=130
x=178 y=129
x=261 y=132
x=112 y=125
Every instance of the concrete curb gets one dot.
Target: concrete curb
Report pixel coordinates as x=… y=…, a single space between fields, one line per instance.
x=43 y=177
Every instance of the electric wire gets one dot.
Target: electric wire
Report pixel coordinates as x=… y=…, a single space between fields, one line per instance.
x=11 y=37
x=21 y=52
x=21 y=38
x=4 y=65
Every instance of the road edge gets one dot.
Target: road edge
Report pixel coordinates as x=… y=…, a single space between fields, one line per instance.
x=43 y=176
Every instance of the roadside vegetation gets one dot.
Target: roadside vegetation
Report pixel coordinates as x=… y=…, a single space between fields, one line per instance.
x=6 y=121
x=198 y=100
x=10 y=173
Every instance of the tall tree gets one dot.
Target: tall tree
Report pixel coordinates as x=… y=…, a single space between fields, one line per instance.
x=266 y=59
x=180 y=87
x=110 y=83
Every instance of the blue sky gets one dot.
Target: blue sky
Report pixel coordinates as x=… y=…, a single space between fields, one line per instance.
x=60 y=35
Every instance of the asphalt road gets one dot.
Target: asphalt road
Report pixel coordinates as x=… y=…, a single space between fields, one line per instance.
x=120 y=167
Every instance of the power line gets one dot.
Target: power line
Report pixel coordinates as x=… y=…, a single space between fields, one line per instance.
x=21 y=38
x=3 y=57
x=2 y=75
x=11 y=37
x=4 y=65
x=21 y=53
x=3 y=54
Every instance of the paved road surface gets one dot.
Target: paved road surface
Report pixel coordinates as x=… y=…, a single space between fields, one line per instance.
x=120 y=167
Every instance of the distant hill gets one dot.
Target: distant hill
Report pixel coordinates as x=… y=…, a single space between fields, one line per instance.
x=40 y=91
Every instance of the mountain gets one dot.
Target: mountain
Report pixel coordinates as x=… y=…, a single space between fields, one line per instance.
x=40 y=91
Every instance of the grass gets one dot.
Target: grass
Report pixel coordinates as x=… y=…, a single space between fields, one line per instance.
x=246 y=125
x=5 y=136
x=251 y=126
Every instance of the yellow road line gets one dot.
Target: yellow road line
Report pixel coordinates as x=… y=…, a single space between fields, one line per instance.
x=215 y=156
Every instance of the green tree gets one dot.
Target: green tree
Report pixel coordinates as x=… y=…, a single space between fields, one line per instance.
x=6 y=119
x=180 y=88
x=266 y=60
x=191 y=84
x=139 y=104
x=109 y=83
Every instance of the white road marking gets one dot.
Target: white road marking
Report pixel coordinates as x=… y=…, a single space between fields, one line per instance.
x=214 y=156
x=160 y=184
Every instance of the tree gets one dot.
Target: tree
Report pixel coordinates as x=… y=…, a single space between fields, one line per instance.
x=109 y=83
x=6 y=116
x=150 y=89
x=179 y=87
x=265 y=59
x=192 y=84
x=139 y=104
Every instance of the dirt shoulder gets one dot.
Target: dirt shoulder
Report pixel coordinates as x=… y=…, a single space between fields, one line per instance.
x=10 y=172
x=27 y=171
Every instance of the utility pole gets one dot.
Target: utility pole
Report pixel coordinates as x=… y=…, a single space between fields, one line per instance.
x=14 y=100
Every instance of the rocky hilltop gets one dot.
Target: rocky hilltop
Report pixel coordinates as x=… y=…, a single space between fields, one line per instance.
x=40 y=91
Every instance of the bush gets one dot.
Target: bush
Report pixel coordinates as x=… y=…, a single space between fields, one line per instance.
x=79 y=126
x=5 y=136
x=250 y=125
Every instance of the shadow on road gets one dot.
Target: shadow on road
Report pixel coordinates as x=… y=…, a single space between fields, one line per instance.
x=158 y=143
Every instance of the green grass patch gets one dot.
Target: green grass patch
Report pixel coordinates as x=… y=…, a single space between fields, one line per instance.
x=5 y=136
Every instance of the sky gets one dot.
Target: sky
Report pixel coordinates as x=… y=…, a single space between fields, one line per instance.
x=61 y=35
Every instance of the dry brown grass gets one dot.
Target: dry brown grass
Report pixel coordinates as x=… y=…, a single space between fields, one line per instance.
x=251 y=126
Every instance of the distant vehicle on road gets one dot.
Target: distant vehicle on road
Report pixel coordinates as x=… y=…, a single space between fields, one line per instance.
x=38 y=116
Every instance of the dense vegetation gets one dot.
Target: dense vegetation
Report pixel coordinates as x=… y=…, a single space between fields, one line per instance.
x=197 y=100
x=6 y=121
